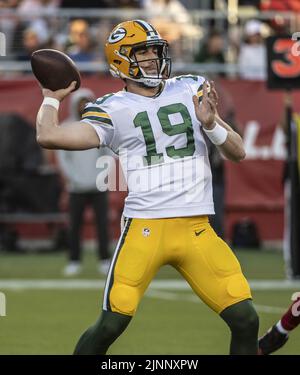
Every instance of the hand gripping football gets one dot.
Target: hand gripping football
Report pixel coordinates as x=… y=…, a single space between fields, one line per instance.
x=54 y=69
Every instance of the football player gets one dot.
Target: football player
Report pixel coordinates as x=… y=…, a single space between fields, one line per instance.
x=156 y=125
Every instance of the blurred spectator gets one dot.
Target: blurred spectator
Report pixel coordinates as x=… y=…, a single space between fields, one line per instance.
x=33 y=39
x=212 y=51
x=80 y=45
x=252 y=60
x=28 y=17
x=24 y=185
x=79 y=169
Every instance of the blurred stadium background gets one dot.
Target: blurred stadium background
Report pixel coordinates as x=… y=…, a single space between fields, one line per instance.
x=222 y=40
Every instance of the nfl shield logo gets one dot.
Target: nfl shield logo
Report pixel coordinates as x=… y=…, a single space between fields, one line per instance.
x=146 y=232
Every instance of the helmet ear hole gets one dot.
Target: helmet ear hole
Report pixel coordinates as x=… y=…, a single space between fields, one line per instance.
x=118 y=62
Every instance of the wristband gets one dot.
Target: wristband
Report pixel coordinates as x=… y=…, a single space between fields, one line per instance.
x=217 y=135
x=51 y=101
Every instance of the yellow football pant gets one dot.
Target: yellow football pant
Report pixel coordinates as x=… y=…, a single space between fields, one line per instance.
x=190 y=245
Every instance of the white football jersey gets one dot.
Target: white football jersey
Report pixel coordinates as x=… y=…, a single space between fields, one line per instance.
x=161 y=148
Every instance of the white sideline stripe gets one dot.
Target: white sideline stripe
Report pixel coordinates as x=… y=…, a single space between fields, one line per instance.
x=270 y=309
x=192 y=298
x=51 y=284
x=274 y=284
x=170 y=284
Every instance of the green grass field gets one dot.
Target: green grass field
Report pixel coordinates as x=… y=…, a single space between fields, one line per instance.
x=168 y=321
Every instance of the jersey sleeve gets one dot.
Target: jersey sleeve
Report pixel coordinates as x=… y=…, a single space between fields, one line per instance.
x=199 y=88
x=99 y=118
x=195 y=83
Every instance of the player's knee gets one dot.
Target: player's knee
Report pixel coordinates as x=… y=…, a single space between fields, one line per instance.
x=108 y=331
x=249 y=322
x=242 y=318
x=111 y=324
x=124 y=299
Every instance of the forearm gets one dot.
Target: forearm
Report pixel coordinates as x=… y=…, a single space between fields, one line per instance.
x=72 y=136
x=233 y=147
x=46 y=125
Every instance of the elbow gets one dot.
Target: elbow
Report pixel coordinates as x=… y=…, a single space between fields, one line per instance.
x=41 y=141
x=244 y=155
x=241 y=155
x=44 y=142
x=45 y=135
x=237 y=156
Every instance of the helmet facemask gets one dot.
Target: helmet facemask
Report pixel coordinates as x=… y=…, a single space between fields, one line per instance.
x=162 y=62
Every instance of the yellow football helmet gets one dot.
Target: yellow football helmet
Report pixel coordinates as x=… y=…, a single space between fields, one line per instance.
x=120 y=49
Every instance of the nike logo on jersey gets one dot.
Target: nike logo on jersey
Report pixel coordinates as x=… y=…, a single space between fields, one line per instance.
x=200 y=231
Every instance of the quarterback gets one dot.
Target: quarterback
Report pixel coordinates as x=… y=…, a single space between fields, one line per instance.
x=156 y=125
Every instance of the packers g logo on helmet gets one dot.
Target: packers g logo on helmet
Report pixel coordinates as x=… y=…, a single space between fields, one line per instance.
x=117 y=35
x=120 y=49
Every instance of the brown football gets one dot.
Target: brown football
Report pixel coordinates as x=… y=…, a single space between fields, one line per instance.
x=54 y=69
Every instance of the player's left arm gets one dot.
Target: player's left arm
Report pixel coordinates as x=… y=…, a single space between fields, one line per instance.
x=222 y=135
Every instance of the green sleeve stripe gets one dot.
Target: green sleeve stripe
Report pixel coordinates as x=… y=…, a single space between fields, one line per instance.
x=99 y=119
x=200 y=88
